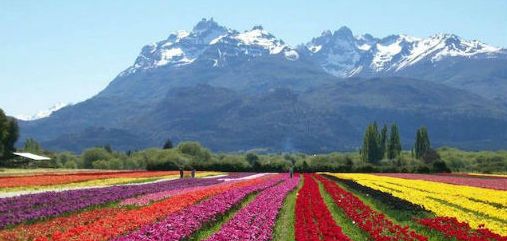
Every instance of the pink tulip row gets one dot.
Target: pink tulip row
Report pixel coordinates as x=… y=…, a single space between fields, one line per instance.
x=256 y=221
x=153 y=197
x=183 y=223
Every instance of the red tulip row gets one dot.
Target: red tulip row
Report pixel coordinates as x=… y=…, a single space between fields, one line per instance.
x=376 y=224
x=452 y=228
x=313 y=219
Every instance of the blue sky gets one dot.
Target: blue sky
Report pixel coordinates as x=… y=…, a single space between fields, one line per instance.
x=67 y=51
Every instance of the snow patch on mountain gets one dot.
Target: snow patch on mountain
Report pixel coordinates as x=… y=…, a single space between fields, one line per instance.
x=385 y=54
x=291 y=55
x=452 y=45
x=344 y=55
x=257 y=36
x=43 y=113
x=182 y=48
x=314 y=48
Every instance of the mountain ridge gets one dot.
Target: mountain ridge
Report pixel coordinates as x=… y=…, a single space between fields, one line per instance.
x=246 y=90
x=209 y=32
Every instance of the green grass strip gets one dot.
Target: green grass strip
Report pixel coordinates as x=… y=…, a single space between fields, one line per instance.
x=285 y=223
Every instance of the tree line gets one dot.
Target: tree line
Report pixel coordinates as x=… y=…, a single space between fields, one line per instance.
x=9 y=133
x=386 y=145
x=381 y=151
x=379 y=145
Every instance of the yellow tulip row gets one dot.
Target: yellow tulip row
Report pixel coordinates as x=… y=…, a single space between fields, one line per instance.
x=468 y=204
x=488 y=175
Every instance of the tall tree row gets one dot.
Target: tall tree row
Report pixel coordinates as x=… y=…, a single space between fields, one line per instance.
x=383 y=142
x=379 y=145
x=9 y=133
x=370 y=144
x=422 y=142
x=394 y=144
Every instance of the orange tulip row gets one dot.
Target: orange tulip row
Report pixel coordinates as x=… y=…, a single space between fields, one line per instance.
x=44 y=180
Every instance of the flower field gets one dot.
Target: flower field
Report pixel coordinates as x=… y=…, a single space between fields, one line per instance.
x=247 y=206
x=491 y=182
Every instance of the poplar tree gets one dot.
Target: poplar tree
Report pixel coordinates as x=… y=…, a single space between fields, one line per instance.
x=383 y=142
x=394 y=144
x=422 y=142
x=370 y=148
x=31 y=145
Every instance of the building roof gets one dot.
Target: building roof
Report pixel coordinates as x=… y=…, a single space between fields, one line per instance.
x=31 y=156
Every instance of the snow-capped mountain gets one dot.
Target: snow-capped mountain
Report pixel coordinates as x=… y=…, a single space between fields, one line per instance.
x=213 y=54
x=211 y=43
x=339 y=53
x=344 y=55
x=236 y=90
x=43 y=113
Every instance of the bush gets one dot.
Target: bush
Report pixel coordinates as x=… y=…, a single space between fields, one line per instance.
x=430 y=156
x=100 y=164
x=440 y=166
x=61 y=160
x=131 y=163
x=230 y=164
x=94 y=154
x=473 y=161
x=70 y=164
x=366 y=168
x=158 y=159
x=422 y=169
x=275 y=164
x=253 y=160
x=162 y=166
x=195 y=150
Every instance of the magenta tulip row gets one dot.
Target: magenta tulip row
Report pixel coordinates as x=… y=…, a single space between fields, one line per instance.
x=257 y=220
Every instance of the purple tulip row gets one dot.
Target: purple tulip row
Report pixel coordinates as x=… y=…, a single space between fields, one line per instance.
x=14 y=210
x=257 y=219
x=182 y=224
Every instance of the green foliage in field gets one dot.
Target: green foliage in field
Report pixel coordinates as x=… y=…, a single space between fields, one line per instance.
x=32 y=146
x=192 y=155
x=9 y=132
x=474 y=161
